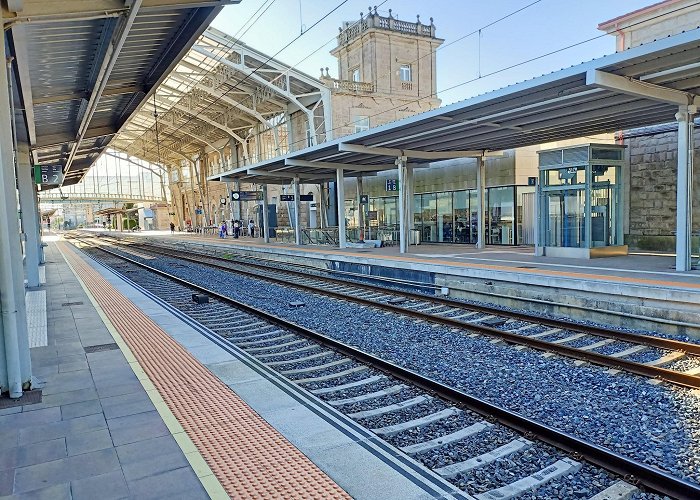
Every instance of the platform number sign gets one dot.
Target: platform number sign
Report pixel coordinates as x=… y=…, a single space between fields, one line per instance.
x=51 y=175
x=391 y=185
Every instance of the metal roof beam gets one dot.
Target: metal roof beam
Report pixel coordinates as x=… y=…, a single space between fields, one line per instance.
x=262 y=173
x=44 y=141
x=627 y=85
x=346 y=166
x=105 y=71
x=408 y=153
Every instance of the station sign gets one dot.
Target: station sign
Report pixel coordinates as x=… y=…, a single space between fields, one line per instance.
x=246 y=195
x=532 y=181
x=48 y=174
x=302 y=197
x=364 y=199
x=391 y=185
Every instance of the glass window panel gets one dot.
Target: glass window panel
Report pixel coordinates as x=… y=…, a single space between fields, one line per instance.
x=429 y=217
x=460 y=208
x=473 y=217
x=445 y=225
x=565 y=176
x=501 y=216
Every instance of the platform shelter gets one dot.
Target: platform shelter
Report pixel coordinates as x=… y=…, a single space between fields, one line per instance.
x=641 y=86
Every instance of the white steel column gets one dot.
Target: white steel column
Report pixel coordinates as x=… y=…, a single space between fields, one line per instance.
x=684 y=201
x=405 y=180
x=340 y=201
x=15 y=366
x=480 y=192
x=266 y=220
x=30 y=216
x=297 y=209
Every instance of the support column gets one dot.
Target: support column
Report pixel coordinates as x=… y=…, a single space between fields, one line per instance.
x=266 y=218
x=297 y=209
x=405 y=179
x=684 y=200
x=361 y=209
x=238 y=207
x=15 y=364
x=480 y=196
x=340 y=200
x=30 y=215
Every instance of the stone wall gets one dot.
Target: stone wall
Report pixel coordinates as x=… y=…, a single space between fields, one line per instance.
x=652 y=188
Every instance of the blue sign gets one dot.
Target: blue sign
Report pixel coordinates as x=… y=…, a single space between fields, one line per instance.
x=391 y=185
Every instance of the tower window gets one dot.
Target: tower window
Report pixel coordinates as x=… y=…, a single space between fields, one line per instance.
x=356 y=75
x=405 y=73
x=361 y=123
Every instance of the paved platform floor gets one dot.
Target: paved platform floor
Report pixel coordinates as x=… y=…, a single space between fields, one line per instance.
x=162 y=408
x=96 y=434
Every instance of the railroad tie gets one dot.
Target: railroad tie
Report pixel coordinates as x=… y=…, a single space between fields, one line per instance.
x=546 y=333
x=627 y=352
x=349 y=385
x=390 y=408
x=316 y=368
x=391 y=430
x=331 y=376
x=533 y=481
x=366 y=397
x=310 y=357
x=596 y=345
x=293 y=351
x=671 y=356
x=264 y=341
x=446 y=439
x=617 y=491
x=253 y=350
x=514 y=446
x=569 y=338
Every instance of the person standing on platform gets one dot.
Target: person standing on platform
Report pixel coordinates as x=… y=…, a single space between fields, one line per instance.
x=251 y=228
x=172 y=228
x=236 y=228
x=223 y=230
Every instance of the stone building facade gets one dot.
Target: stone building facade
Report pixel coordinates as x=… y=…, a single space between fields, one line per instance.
x=650 y=179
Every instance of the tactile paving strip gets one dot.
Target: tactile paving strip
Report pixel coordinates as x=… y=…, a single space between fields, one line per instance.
x=247 y=455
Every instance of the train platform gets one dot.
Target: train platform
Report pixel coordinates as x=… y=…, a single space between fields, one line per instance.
x=140 y=402
x=641 y=285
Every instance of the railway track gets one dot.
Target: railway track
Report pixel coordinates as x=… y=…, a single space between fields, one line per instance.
x=425 y=419
x=606 y=347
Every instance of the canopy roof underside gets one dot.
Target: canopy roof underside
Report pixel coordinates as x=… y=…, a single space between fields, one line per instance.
x=83 y=69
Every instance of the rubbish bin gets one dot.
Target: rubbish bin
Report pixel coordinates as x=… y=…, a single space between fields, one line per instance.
x=414 y=237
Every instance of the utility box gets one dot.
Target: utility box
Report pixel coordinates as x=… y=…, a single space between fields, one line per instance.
x=200 y=299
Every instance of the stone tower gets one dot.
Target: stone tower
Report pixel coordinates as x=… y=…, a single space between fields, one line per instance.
x=386 y=71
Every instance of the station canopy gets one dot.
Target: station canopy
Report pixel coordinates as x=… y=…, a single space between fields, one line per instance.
x=83 y=68
x=638 y=87
x=221 y=90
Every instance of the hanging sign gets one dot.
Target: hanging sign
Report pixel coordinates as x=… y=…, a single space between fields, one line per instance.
x=48 y=174
x=391 y=185
x=246 y=195
x=364 y=199
x=302 y=197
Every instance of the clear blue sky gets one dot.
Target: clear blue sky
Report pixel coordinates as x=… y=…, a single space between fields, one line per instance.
x=541 y=28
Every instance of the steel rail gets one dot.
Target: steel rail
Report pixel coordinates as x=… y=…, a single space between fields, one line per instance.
x=671 y=376
x=632 y=470
x=651 y=341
